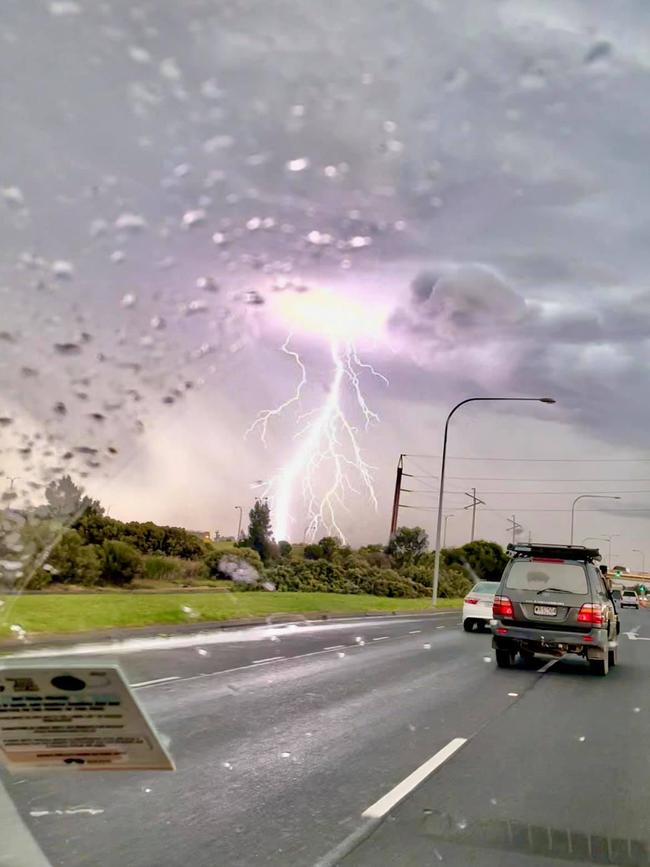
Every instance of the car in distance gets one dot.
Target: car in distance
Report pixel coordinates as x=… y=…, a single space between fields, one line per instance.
x=629 y=599
x=620 y=570
x=554 y=600
x=477 y=605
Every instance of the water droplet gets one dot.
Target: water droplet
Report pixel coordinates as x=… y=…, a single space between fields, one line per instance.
x=67 y=348
x=218 y=238
x=340 y=654
x=17 y=630
x=253 y=297
x=274 y=638
x=412 y=728
x=359 y=241
x=426 y=646
x=196 y=306
x=117 y=256
x=138 y=54
x=389 y=126
x=308 y=734
x=359 y=640
x=62 y=269
x=637 y=710
x=330 y=171
x=253 y=224
x=487 y=659
x=461 y=824
x=146 y=790
x=169 y=69
x=227 y=765
x=128 y=300
x=513 y=694
x=493 y=801
x=298 y=165
x=194 y=218
x=207 y=284
x=61 y=8
x=598 y=51
x=13 y=196
x=130 y=222
x=582 y=738
x=298 y=110
x=320 y=239
x=157 y=322
x=285 y=755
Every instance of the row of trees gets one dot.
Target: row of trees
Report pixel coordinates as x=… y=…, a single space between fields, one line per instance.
x=73 y=542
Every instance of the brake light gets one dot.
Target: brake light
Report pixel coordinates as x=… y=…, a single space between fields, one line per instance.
x=591 y=613
x=502 y=607
x=470 y=600
x=547 y=560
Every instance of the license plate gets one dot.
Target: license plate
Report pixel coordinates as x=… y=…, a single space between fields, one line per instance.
x=545 y=610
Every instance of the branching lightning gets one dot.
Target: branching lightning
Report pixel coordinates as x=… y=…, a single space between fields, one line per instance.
x=328 y=462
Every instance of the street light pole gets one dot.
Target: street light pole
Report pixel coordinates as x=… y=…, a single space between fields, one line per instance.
x=241 y=512
x=639 y=551
x=436 y=563
x=590 y=497
x=444 y=532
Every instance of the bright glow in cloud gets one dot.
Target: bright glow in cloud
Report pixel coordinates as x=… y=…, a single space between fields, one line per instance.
x=329 y=314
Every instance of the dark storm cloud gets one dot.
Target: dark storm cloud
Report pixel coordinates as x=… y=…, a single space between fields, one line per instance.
x=458 y=317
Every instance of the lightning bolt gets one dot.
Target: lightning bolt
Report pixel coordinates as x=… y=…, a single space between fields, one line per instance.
x=327 y=447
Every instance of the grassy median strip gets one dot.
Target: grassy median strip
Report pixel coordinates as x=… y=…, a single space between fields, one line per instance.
x=80 y=613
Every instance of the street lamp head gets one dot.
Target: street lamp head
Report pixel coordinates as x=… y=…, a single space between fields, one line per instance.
x=547 y=400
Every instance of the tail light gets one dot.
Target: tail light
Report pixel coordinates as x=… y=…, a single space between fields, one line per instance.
x=591 y=613
x=502 y=607
x=470 y=600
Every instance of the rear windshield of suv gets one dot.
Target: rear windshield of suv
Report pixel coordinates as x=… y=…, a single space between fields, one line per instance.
x=629 y=593
x=535 y=576
x=485 y=587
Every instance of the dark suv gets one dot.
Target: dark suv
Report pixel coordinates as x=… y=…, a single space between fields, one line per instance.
x=553 y=599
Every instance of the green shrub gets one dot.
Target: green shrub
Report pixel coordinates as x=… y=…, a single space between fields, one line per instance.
x=174 y=569
x=71 y=562
x=122 y=563
x=483 y=561
x=453 y=583
x=285 y=549
x=313 y=552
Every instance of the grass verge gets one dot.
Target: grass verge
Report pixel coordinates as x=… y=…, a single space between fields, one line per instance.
x=68 y=614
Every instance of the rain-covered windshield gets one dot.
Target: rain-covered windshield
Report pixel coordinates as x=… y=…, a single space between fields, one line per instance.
x=308 y=311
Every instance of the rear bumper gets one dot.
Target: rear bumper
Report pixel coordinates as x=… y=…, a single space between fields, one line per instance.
x=549 y=640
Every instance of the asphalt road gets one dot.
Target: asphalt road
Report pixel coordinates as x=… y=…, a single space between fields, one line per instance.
x=285 y=737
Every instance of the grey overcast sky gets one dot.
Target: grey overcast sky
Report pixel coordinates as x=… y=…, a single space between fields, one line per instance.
x=454 y=193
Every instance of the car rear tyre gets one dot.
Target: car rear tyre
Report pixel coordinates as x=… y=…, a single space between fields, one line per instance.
x=527 y=656
x=599 y=667
x=468 y=625
x=505 y=658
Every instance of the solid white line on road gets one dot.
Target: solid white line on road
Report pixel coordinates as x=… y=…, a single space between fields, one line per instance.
x=258 y=663
x=414 y=631
x=401 y=790
x=381 y=638
x=546 y=667
x=159 y=680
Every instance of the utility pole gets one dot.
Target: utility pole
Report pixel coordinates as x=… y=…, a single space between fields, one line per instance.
x=398 y=488
x=239 y=523
x=475 y=502
x=514 y=528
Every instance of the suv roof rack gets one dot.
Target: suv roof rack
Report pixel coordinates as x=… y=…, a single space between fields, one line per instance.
x=561 y=552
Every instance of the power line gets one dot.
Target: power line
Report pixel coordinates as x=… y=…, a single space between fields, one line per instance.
x=519 y=509
x=539 y=460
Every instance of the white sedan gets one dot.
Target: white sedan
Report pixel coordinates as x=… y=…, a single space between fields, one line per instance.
x=477 y=605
